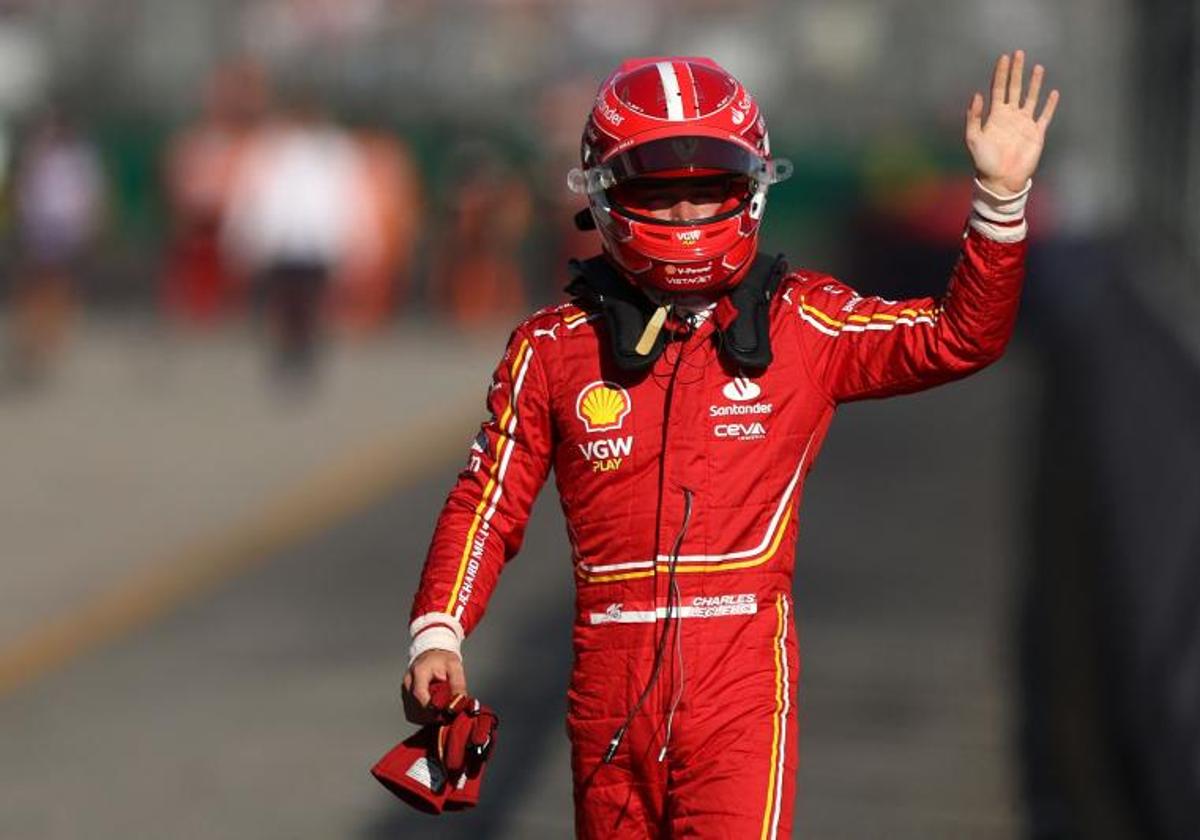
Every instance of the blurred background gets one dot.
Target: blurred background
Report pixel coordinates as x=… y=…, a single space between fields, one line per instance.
x=257 y=260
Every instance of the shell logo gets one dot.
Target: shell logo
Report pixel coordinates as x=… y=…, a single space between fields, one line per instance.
x=603 y=406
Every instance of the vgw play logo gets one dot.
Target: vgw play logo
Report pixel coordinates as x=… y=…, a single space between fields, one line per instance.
x=603 y=407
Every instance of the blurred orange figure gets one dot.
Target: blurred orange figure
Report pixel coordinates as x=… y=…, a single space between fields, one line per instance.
x=202 y=162
x=376 y=277
x=478 y=275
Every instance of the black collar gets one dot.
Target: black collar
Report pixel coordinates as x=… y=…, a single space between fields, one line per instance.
x=741 y=315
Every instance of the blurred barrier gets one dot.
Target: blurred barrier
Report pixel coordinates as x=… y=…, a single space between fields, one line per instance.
x=1111 y=624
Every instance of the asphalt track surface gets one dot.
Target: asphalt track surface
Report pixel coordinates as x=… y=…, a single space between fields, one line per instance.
x=256 y=710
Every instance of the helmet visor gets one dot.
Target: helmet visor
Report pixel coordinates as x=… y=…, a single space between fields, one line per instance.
x=682 y=198
x=717 y=174
x=676 y=156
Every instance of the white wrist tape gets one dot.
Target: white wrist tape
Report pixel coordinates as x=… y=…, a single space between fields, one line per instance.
x=435 y=631
x=1000 y=217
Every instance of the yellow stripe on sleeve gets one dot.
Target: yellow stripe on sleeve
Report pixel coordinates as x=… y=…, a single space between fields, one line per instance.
x=887 y=317
x=503 y=442
x=812 y=310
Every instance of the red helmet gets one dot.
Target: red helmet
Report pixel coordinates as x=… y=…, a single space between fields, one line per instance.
x=667 y=118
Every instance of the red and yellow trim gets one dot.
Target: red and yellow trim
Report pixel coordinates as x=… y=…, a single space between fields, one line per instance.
x=690 y=568
x=778 y=724
x=503 y=443
x=883 y=317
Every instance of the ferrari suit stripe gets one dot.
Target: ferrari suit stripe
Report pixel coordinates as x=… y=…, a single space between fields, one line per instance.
x=869 y=346
x=817 y=325
x=761 y=553
x=780 y=530
x=858 y=323
x=716 y=567
x=770 y=825
x=495 y=486
x=575 y=318
x=784 y=713
x=775 y=537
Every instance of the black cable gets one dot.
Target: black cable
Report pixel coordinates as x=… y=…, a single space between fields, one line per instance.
x=664 y=633
x=673 y=606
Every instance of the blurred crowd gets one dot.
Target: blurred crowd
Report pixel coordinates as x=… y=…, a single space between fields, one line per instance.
x=275 y=209
x=332 y=165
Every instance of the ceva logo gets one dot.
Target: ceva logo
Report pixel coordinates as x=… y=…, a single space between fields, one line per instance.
x=741 y=389
x=740 y=431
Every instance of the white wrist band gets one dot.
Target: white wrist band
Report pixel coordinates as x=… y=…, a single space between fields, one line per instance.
x=1000 y=208
x=435 y=631
x=1000 y=218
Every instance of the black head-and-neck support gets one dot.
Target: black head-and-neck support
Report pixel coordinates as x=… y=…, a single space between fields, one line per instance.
x=597 y=286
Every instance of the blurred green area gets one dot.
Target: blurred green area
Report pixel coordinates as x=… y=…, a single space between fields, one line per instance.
x=438 y=76
x=832 y=181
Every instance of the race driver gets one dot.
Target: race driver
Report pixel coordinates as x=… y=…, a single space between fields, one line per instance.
x=681 y=398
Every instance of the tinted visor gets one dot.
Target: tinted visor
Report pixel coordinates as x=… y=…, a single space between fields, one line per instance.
x=680 y=156
x=682 y=180
x=695 y=197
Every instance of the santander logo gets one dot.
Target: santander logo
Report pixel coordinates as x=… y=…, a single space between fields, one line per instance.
x=741 y=389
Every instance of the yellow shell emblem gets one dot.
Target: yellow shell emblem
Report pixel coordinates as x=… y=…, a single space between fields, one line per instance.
x=603 y=406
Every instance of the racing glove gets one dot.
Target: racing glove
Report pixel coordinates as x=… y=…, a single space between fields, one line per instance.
x=440 y=767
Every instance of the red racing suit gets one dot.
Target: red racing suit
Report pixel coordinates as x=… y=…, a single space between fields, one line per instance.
x=697 y=466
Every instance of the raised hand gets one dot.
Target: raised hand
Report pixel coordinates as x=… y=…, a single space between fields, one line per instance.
x=1006 y=148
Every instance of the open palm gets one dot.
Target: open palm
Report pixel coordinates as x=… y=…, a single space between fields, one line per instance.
x=1007 y=146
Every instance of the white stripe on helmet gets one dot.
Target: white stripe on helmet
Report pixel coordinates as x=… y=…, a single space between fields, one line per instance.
x=671 y=91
